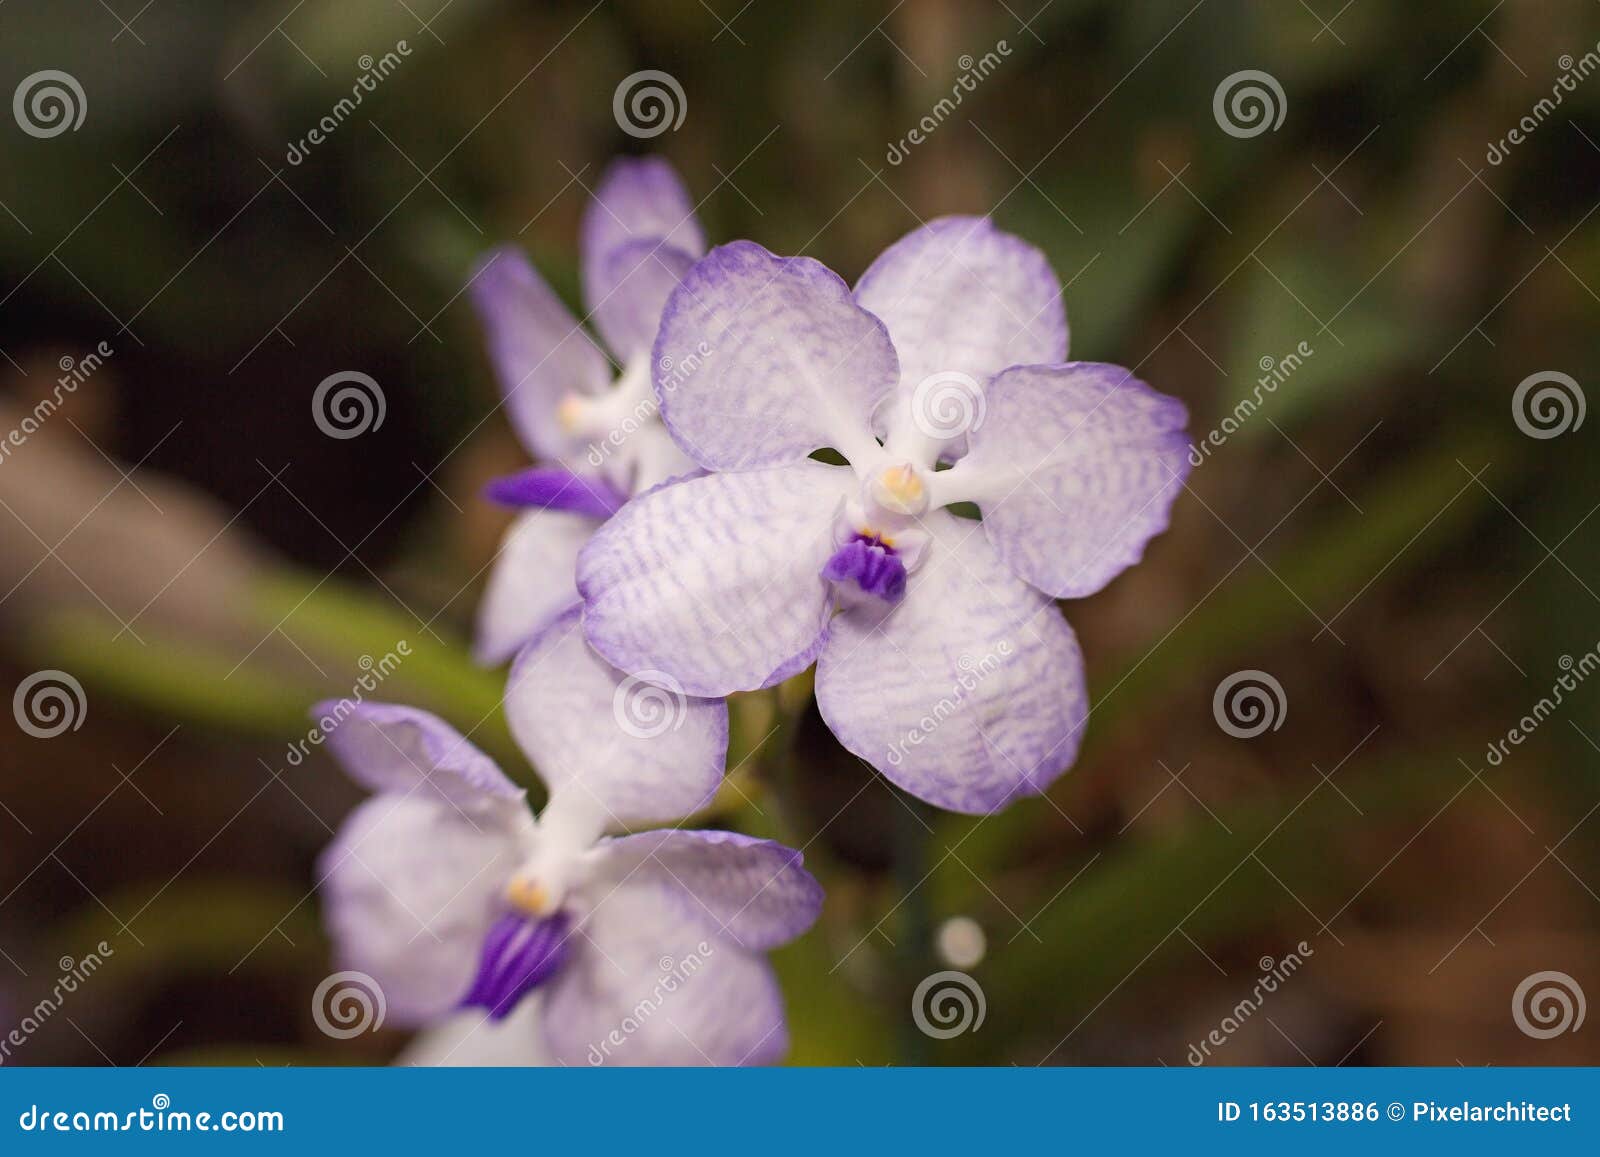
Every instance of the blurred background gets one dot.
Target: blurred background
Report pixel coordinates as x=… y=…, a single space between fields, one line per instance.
x=1393 y=541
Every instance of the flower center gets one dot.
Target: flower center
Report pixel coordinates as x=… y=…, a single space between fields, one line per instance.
x=880 y=541
x=898 y=491
x=870 y=563
x=612 y=413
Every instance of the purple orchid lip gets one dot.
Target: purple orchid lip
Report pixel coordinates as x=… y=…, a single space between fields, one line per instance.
x=551 y=488
x=519 y=954
x=872 y=565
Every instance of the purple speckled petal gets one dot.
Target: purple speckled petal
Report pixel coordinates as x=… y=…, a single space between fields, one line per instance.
x=642 y=275
x=552 y=488
x=539 y=351
x=645 y=986
x=410 y=889
x=1075 y=469
x=647 y=753
x=716 y=581
x=762 y=360
x=754 y=892
x=961 y=297
x=390 y=748
x=970 y=693
x=637 y=199
x=530 y=582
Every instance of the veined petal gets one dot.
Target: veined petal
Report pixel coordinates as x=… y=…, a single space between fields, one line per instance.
x=763 y=359
x=539 y=351
x=641 y=276
x=753 y=892
x=1075 y=469
x=646 y=986
x=410 y=888
x=637 y=199
x=405 y=751
x=970 y=693
x=962 y=301
x=643 y=752
x=716 y=581
x=530 y=581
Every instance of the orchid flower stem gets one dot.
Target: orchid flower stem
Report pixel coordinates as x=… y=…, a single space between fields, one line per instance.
x=913 y=832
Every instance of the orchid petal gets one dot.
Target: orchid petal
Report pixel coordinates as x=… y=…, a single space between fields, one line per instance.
x=410 y=890
x=402 y=750
x=970 y=692
x=637 y=199
x=962 y=301
x=754 y=892
x=539 y=351
x=1075 y=469
x=641 y=275
x=552 y=488
x=471 y=1040
x=530 y=582
x=645 y=753
x=762 y=360
x=716 y=581
x=646 y=986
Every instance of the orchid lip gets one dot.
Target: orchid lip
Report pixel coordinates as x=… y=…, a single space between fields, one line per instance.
x=872 y=565
x=519 y=954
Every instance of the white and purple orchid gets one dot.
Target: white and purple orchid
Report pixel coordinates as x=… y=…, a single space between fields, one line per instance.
x=642 y=949
x=594 y=430
x=942 y=659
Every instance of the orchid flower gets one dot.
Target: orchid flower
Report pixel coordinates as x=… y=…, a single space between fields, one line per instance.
x=644 y=949
x=942 y=659
x=595 y=432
